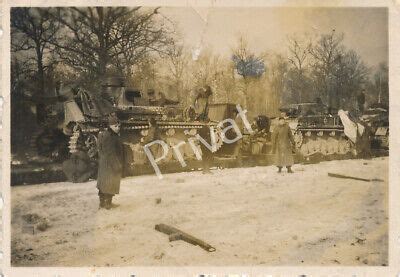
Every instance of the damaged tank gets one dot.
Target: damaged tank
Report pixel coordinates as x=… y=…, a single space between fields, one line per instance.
x=319 y=130
x=143 y=118
x=254 y=148
x=258 y=143
x=377 y=119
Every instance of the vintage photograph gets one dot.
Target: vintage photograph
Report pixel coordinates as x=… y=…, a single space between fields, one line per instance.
x=199 y=136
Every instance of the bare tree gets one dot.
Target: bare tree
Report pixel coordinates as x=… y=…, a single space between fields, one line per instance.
x=351 y=75
x=277 y=75
x=145 y=74
x=326 y=52
x=178 y=60
x=381 y=83
x=205 y=68
x=339 y=74
x=32 y=31
x=299 y=52
x=97 y=39
x=140 y=35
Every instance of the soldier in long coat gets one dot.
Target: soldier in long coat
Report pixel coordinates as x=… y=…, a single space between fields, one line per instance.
x=111 y=163
x=283 y=145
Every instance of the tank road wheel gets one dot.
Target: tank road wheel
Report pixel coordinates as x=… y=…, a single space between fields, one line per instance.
x=332 y=146
x=298 y=139
x=312 y=146
x=73 y=140
x=218 y=137
x=322 y=146
x=325 y=147
x=139 y=156
x=186 y=149
x=344 y=146
x=304 y=149
x=171 y=141
x=318 y=145
x=91 y=145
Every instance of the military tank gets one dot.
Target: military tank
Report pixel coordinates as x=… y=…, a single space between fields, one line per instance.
x=87 y=114
x=318 y=130
x=377 y=118
x=258 y=143
x=254 y=147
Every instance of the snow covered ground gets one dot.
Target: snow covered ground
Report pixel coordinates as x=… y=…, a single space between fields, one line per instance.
x=252 y=216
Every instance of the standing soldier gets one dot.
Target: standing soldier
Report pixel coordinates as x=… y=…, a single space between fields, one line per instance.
x=111 y=163
x=201 y=102
x=361 y=102
x=282 y=145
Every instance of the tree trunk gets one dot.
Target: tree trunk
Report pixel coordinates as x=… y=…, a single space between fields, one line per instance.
x=102 y=69
x=39 y=93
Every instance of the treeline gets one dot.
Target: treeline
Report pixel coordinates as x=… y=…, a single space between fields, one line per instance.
x=57 y=48
x=305 y=70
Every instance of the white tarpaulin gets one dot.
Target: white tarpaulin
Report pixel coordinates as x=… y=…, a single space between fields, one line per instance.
x=350 y=127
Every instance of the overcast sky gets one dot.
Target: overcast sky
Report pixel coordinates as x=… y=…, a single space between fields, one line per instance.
x=365 y=29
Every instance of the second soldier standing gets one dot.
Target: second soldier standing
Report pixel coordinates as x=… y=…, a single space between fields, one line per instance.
x=283 y=146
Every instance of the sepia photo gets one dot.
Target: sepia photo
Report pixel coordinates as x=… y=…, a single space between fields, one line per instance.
x=199 y=136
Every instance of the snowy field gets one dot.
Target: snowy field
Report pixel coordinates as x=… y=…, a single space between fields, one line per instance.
x=252 y=216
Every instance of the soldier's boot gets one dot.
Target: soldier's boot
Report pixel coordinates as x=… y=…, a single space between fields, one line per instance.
x=279 y=169
x=103 y=202
x=289 y=169
x=109 y=204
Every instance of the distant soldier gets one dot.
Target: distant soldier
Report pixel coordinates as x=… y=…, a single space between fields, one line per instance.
x=361 y=102
x=320 y=108
x=201 y=101
x=283 y=145
x=154 y=131
x=151 y=94
x=111 y=164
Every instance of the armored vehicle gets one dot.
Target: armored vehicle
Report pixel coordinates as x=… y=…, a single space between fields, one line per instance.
x=254 y=145
x=141 y=122
x=377 y=118
x=318 y=129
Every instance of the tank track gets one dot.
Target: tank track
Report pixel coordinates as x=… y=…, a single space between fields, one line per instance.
x=324 y=142
x=73 y=141
x=84 y=137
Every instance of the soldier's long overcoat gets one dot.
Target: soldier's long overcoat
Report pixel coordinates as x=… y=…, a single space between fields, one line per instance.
x=111 y=162
x=282 y=145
